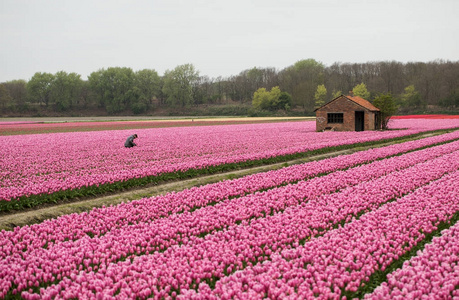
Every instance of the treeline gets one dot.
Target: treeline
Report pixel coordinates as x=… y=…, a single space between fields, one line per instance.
x=416 y=86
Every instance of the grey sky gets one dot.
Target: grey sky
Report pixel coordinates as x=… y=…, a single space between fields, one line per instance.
x=220 y=38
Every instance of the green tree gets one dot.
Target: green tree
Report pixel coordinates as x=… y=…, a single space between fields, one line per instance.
x=411 y=98
x=320 y=96
x=85 y=95
x=120 y=89
x=146 y=88
x=361 y=91
x=96 y=88
x=387 y=107
x=336 y=94
x=148 y=83
x=179 y=83
x=260 y=99
x=301 y=80
x=451 y=101
x=39 y=88
x=241 y=87
x=114 y=88
x=274 y=96
x=285 y=101
x=254 y=78
x=18 y=92
x=272 y=100
x=65 y=90
x=5 y=98
x=203 y=91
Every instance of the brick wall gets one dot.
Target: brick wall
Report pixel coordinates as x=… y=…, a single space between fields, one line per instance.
x=348 y=108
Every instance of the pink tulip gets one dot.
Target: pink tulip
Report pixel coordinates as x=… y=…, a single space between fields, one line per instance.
x=256 y=236
x=94 y=158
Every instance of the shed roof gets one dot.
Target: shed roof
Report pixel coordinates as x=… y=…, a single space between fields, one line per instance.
x=358 y=100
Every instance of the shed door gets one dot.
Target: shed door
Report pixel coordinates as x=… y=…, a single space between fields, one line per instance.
x=359 y=120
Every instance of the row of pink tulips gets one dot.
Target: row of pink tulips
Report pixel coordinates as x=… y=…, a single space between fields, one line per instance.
x=24 y=242
x=344 y=259
x=99 y=221
x=47 y=163
x=432 y=274
x=162 y=233
x=423 y=124
x=200 y=259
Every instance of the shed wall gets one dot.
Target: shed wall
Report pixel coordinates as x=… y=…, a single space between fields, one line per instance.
x=348 y=108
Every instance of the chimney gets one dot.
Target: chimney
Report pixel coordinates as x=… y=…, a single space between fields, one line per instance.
x=351 y=93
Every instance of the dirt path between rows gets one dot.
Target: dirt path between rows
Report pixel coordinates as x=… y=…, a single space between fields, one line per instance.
x=37 y=215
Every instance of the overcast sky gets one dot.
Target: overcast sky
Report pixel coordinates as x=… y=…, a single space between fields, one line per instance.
x=219 y=37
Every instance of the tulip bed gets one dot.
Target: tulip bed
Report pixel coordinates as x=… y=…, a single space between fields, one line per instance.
x=100 y=221
x=50 y=167
x=209 y=238
x=343 y=260
x=31 y=127
x=433 y=273
x=426 y=117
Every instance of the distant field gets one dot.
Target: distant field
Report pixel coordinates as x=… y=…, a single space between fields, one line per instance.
x=427 y=117
x=15 y=126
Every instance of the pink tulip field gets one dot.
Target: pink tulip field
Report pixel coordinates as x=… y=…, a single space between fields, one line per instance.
x=99 y=221
x=33 y=127
x=432 y=274
x=375 y=224
x=344 y=259
x=43 y=164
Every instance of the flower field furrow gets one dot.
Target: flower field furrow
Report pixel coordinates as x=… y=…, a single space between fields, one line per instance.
x=48 y=163
x=343 y=260
x=432 y=274
x=99 y=221
x=162 y=233
x=201 y=259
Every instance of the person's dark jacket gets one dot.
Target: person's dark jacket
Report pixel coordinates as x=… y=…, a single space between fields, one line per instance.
x=130 y=141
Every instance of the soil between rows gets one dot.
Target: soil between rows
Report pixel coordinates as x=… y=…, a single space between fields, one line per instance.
x=48 y=211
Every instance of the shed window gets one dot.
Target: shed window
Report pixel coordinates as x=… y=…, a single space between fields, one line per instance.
x=335 y=117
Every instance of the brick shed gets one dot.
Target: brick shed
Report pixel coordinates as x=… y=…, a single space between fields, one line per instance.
x=347 y=113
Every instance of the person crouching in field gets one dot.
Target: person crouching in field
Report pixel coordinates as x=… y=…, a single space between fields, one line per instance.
x=130 y=141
